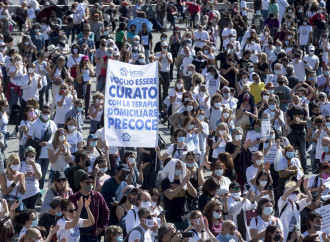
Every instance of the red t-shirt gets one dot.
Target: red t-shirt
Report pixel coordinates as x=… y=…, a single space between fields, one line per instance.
x=193 y=7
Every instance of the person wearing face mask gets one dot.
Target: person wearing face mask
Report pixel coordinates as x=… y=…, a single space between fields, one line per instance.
x=114 y=234
x=209 y=189
x=326 y=147
x=12 y=181
x=26 y=219
x=32 y=172
x=305 y=32
x=291 y=204
x=136 y=175
x=321 y=131
x=314 y=224
x=296 y=119
x=176 y=185
x=74 y=59
x=132 y=219
x=276 y=114
x=126 y=203
x=220 y=139
x=273 y=234
x=99 y=53
x=143 y=232
x=63 y=47
x=37 y=37
x=76 y=113
x=323 y=81
x=72 y=221
x=199 y=227
x=263 y=187
x=16 y=72
x=229 y=232
x=86 y=43
x=252 y=172
x=176 y=95
x=259 y=224
x=98 y=208
x=96 y=111
x=312 y=60
x=213 y=212
x=213 y=114
x=276 y=53
x=74 y=137
x=238 y=206
x=42 y=130
x=59 y=152
x=48 y=219
x=27 y=118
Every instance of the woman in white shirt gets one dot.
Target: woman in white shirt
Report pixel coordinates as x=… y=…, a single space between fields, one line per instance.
x=32 y=172
x=263 y=186
x=199 y=227
x=74 y=137
x=64 y=103
x=63 y=47
x=156 y=205
x=176 y=95
x=59 y=152
x=193 y=128
x=207 y=52
x=259 y=224
x=254 y=47
x=71 y=221
x=203 y=97
x=96 y=111
x=291 y=204
x=16 y=71
x=221 y=138
x=26 y=219
x=74 y=60
x=27 y=118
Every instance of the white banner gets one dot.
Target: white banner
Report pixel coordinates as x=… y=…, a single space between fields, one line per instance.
x=131 y=105
x=265 y=129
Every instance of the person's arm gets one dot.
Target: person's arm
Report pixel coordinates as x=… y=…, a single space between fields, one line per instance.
x=224 y=81
x=93 y=110
x=191 y=190
x=90 y=221
x=291 y=190
x=52 y=231
x=172 y=193
x=120 y=212
x=74 y=222
x=36 y=171
x=53 y=156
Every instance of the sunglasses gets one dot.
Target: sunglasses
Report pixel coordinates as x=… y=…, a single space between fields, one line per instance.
x=295 y=192
x=217 y=210
x=59 y=180
x=236 y=189
x=71 y=210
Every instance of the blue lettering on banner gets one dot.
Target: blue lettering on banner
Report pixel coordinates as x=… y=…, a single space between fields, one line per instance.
x=132 y=124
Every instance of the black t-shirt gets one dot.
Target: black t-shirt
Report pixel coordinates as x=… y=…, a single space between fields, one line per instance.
x=47 y=220
x=263 y=67
x=244 y=63
x=301 y=113
x=293 y=81
x=147 y=47
x=230 y=76
x=230 y=148
x=175 y=207
x=199 y=65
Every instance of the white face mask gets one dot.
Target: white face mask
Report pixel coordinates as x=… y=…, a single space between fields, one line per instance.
x=71 y=127
x=292 y=197
x=179 y=85
x=153 y=204
x=131 y=160
x=222 y=132
x=149 y=222
x=15 y=167
x=236 y=195
x=31 y=70
x=98 y=101
x=29 y=159
x=226 y=115
x=217 y=105
x=238 y=137
x=202 y=94
x=259 y=162
x=75 y=51
x=145 y=204
x=61 y=138
x=263 y=183
x=265 y=97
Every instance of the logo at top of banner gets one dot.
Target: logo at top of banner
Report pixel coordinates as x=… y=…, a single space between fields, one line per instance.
x=132 y=73
x=126 y=137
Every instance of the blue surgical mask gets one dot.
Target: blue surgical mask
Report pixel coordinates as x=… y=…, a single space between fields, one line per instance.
x=178 y=172
x=119 y=239
x=106 y=32
x=250 y=69
x=289 y=154
x=201 y=117
x=325 y=149
x=272 y=137
x=141 y=60
x=268 y=210
x=218 y=172
x=226 y=94
x=93 y=143
x=216 y=215
x=58 y=214
x=276 y=72
x=229 y=236
x=278 y=48
x=34 y=223
x=286 y=42
x=271 y=91
x=79 y=109
x=328 y=125
x=103 y=170
x=206 y=52
x=272 y=106
x=190 y=165
x=326 y=73
x=191 y=127
x=181 y=139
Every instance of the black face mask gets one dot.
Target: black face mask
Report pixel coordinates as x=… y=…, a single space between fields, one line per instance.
x=316 y=114
x=88 y=163
x=102 y=44
x=277 y=237
x=211 y=195
x=132 y=200
x=123 y=177
x=280 y=83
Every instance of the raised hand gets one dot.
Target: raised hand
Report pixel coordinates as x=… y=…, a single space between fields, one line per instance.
x=88 y=202
x=80 y=202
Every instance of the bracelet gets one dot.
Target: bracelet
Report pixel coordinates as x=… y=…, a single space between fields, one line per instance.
x=202 y=231
x=13 y=185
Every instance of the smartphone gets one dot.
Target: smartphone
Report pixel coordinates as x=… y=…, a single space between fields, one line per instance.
x=161 y=213
x=187 y=234
x=270 y=188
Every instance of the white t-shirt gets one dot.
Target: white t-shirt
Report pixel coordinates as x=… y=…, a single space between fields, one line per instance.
x=204 y=35
x=31 y=183
x=37 y=130
x=62 y=110
x=26 y=124
x=325 y=109
x=178 y=152
x=72 y=61
x=255 y=49
x=18 y=78
x=299 y=70
x=178 y=100
x=73 y=140
x=72 y=235
x=213 y=117
x=221 y=147
x=252 y=136
x=303 y=32
x=321 y=80
x=136 y=234
x=311 y=60
x=224 y=186
x=31 y=91
x=212 y=84
x=251 y=172
x=243 y=5
x=319 y=149
x=164 y=62
x=60 y=164
x=283 y=163
x=262 y=225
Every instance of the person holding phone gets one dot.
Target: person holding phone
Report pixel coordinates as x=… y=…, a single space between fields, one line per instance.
x=290 y=205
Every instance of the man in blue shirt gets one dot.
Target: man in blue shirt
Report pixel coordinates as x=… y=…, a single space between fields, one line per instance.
x=36 y=37
x=229 y=233
x=76 y=112
x=86 y=44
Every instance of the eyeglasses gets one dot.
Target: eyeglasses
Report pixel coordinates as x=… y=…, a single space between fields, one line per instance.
x=71 y=210
x=61 y=180
x=295 y=192
x=218 y=210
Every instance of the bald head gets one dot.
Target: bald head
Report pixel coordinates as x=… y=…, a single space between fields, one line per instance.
x=32 y=234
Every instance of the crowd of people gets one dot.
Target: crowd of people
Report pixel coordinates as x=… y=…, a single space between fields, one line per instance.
x=223 y=80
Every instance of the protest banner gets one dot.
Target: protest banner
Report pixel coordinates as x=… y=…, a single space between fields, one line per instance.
x=265 y=129
x=325 y=213
x=131 y=105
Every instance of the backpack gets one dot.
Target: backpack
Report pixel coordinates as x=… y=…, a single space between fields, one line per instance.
x=69 y=175
x=284 y=207
x=14 y=114
x=122 y=225
x=138 y=229
x=175 y=148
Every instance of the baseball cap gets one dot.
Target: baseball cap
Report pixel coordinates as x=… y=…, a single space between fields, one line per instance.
x=123 y=167
x=85 y=176
x=234 y=185
x=58 y=175
x=92 y=136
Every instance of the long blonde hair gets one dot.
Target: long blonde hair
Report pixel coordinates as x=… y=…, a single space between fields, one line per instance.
x=11 y=159
x=55 y=141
